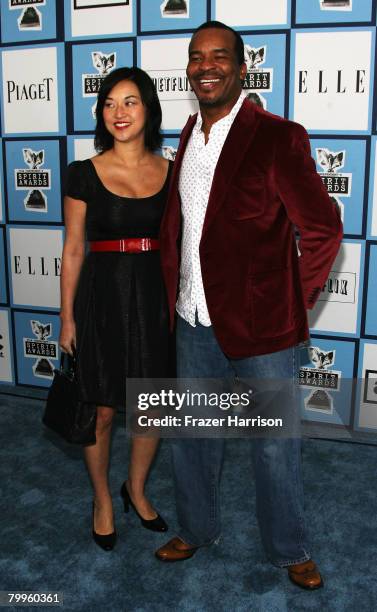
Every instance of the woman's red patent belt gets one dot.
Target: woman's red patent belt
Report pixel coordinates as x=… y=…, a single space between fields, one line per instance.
x=125 y=245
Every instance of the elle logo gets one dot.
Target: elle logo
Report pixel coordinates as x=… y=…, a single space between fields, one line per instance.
x=322 y=83
x=40 y=266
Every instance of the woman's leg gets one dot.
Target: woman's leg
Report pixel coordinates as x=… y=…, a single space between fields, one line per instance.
x=143 y=450
x=97 y=461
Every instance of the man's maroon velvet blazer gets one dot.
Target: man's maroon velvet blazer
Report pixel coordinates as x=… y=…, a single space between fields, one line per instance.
x=265 y=185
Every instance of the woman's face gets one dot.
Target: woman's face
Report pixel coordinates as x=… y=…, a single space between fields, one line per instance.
x=124 y=113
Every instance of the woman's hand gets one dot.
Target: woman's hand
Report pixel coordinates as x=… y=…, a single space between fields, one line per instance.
x=67 y=338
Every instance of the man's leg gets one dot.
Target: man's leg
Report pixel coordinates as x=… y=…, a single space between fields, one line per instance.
x=277 y=462
x=197 y=462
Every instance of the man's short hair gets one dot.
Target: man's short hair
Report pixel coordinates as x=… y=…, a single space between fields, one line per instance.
x=239 y=45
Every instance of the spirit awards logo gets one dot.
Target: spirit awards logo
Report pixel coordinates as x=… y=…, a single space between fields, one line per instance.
x=41 y=349
x=91 y=83
x=339 y=287
x=335 y=5
x=319 y=376
x=169 y=152
x=34 y=180
x=31 y=17
x=337 y=183
x=175 y=8
x=258 y=79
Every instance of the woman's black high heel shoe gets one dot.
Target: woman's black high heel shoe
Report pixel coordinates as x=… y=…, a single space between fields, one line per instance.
x=156 y=524
x=106 y=542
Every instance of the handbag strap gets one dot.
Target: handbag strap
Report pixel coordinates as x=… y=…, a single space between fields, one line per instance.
x=68 y=363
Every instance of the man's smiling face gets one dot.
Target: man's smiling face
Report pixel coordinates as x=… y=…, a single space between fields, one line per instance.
x=213 y=69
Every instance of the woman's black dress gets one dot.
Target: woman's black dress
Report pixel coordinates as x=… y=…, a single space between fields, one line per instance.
x=120 y=306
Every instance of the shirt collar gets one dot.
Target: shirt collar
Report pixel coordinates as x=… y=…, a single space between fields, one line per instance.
x=225 y=121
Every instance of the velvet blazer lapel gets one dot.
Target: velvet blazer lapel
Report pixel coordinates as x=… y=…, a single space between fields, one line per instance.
x=236 y=144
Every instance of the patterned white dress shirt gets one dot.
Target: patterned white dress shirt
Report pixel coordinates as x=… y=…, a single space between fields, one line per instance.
x=195 y=181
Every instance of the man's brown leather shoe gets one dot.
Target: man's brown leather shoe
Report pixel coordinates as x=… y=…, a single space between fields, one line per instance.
x=175 y=550
x=305 y=575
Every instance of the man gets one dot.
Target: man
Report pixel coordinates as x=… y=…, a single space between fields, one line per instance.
x=243 y=179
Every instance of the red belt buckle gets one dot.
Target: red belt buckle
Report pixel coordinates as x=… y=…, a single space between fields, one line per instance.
x=125 y=245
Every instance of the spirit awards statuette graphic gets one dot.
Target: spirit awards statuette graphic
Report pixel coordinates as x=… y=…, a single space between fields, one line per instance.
x=169 y=152
x=335 y=5
x=91 y=83
x=257 y=79
x=175 y=8
x=336 y=183
x=41 y=349
x=33 y=179
x=31 y=17
x=320 y=380
x=104 y=64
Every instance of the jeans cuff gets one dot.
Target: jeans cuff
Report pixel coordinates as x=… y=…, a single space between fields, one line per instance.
x=187 y=537
x=289 y=562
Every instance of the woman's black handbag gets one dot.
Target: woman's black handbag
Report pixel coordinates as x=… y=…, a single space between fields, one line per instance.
x=65 y=413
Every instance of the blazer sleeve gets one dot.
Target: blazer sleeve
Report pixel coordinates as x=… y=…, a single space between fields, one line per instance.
x=310 y=209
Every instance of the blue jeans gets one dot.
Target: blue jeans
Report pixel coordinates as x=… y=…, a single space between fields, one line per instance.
x=197 y=462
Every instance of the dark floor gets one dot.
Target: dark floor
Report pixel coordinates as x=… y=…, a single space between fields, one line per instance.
x=46 y=525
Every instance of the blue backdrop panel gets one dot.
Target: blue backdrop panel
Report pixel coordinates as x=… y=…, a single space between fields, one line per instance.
x=330 y=11
x=91 y=63
x=26 y=21
x=33 y=179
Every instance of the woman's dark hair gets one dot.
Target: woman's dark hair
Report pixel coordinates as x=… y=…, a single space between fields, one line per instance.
x=238 y=43
x=103 y=140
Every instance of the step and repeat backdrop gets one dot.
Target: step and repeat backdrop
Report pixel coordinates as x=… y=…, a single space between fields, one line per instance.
x=310 y=60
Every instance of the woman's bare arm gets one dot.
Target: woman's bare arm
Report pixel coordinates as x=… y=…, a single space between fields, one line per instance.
x=73 y=256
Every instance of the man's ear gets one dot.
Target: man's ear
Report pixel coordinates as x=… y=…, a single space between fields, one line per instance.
x=243 y=71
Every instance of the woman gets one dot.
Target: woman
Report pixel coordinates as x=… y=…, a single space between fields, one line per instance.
x=113 y=308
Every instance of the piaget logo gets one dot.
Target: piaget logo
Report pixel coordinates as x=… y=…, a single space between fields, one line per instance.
x=17 y=90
